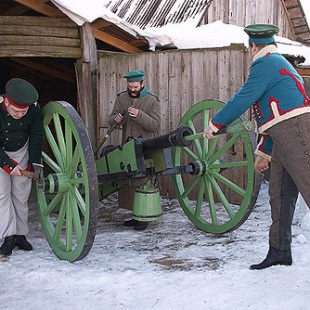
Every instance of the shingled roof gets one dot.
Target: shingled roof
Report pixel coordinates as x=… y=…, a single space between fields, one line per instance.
x=298 y=20
x=157 y=13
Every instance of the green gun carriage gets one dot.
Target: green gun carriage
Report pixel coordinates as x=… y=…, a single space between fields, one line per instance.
x=214 y=180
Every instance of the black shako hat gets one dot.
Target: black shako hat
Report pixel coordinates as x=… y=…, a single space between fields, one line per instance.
x=21 y=93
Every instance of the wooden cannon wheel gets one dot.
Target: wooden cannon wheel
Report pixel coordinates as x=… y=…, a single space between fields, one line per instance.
x=221 y=194
x=68 y=188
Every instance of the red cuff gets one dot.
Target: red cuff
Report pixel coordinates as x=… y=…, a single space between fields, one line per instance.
x=28 y=168
x=216 y=125
x=7 y=169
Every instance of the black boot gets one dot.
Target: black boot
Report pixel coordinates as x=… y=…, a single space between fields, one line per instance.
x=274 y=257
x=8 y=245
x=140 y=226
x=22 y=243
x=137 y=225
x=131 y=222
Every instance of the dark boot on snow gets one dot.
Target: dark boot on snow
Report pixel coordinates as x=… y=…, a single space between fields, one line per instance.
x=274 y=257
x=22 y=243
x=8 y=246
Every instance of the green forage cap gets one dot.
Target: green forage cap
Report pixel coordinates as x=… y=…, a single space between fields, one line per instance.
x=21 y=93
x=135 y=76
x=261 y=33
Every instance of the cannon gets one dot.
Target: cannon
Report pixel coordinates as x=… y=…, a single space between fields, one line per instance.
x=214 y=180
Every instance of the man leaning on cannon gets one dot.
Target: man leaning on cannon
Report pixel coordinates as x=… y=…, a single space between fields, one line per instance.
x=21 y=141
x=138 y=111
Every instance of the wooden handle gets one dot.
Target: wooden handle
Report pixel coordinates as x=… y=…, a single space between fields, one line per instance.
x=28 y=174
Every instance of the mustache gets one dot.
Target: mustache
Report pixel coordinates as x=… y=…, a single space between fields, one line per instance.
x=134 y=93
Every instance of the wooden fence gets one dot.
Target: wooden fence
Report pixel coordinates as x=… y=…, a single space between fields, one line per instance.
x=181 y=78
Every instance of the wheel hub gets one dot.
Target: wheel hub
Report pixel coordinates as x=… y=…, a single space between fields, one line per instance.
x=55 y=183
x=201 y=167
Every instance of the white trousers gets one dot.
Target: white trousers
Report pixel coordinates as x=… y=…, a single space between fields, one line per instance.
x=14 y=194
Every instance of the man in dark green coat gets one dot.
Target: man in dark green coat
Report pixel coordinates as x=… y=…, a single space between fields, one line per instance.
x=21 y=142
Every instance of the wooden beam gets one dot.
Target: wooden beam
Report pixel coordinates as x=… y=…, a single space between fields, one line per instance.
x=303 y=71
x=40 y=7
x=42 y=21
x=40 y=51
x=87 y=79
x=38 y=40
x=66 y=76
x=40 y=31
x=118 y=43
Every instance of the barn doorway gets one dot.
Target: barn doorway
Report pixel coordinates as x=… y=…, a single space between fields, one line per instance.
x=54 y=78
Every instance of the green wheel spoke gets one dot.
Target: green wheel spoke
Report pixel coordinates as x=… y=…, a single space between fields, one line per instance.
x=224 y=148
x=78 y=180
x=200 y=197
x=76 y=160
x=69 y=146
x=205 y=142
x=222 y=197
x=68 y=186
x=77 y=220
x=229 y=165
x=69 y=224
x=224 y=179
x=80 y=201
x=211 y=202
x=60 y=220
x=190 y=153
x=196 y=141
x=212 y=147
x=56 y=151
x=50 y=162
x=60 y=136
x=228 y=183
x=190 y=187
x=53 y=204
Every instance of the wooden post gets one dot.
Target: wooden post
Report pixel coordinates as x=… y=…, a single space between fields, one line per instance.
x=86 y=72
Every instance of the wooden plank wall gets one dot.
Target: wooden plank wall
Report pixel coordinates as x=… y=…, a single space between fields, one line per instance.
x=245 y=12
x=181 y=78
x=30 y=36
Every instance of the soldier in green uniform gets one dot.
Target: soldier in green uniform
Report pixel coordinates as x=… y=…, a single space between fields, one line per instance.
x=21 y=142
x=138 y=110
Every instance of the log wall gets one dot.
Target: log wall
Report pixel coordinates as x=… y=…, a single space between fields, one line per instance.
x=30 y=36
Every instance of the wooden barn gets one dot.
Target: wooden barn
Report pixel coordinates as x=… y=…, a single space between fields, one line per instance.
x=83 y=63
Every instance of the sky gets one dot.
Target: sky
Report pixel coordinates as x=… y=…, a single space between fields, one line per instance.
x=306 y=7
x=184 y=35
x=169 y=266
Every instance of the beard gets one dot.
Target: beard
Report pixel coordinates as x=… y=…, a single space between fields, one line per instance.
x=134 y=93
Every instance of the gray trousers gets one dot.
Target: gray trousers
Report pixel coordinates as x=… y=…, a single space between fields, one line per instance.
x=14 y=194
x=289 y=174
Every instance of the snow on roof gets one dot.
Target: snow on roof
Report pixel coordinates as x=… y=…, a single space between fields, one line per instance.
x=184 y=35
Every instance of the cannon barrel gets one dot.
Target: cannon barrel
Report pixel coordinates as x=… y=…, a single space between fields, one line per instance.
x=176 y=137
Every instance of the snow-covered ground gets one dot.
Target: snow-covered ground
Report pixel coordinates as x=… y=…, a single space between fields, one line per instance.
x=170 y=265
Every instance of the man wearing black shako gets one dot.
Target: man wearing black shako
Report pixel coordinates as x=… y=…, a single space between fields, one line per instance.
x=21 y=142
